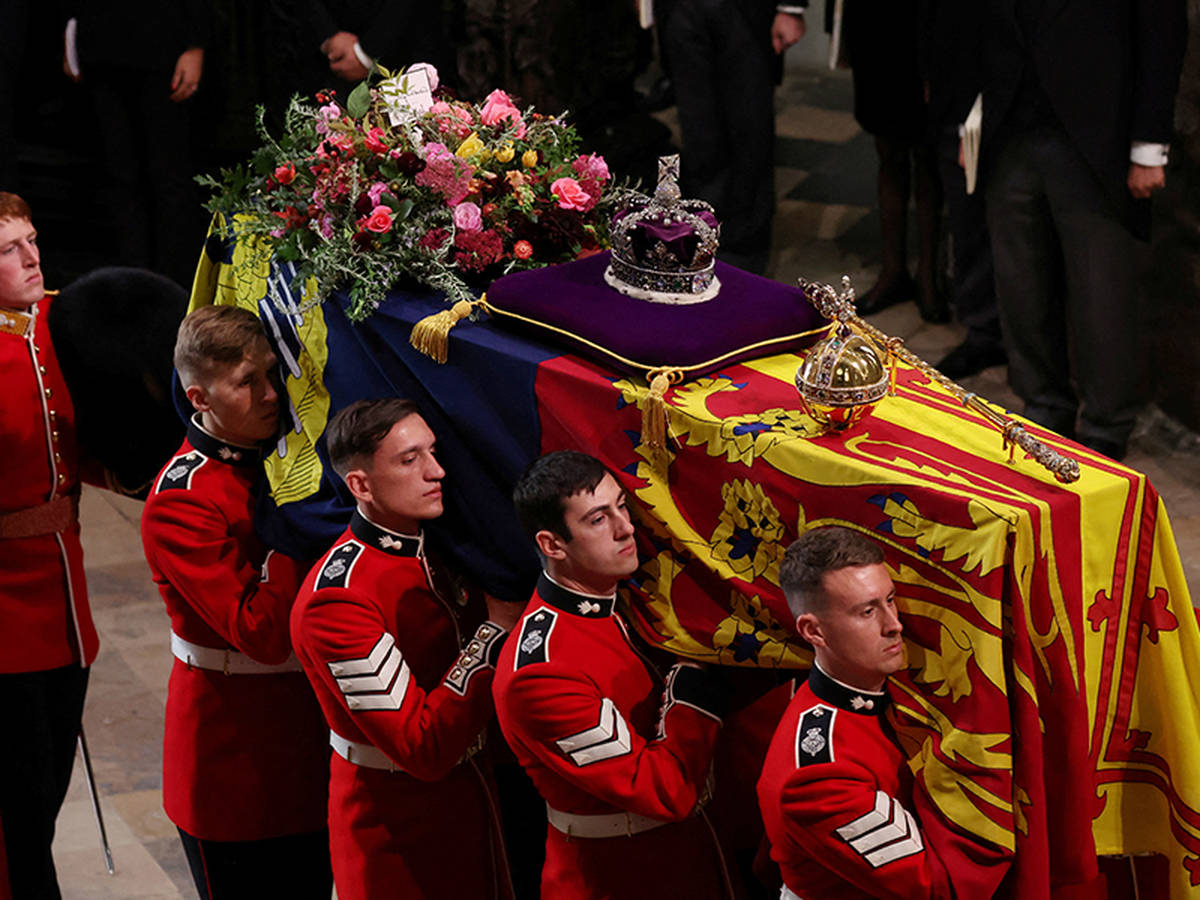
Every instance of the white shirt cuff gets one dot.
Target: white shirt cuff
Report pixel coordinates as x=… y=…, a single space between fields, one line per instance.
x=366 y=61
x=1145 y=153
x=792 y=9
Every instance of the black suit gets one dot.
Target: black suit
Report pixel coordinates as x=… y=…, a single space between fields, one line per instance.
x=1068 y=85
x=724 y=69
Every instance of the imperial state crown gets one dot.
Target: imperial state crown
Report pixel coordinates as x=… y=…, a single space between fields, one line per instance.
x=664 y=247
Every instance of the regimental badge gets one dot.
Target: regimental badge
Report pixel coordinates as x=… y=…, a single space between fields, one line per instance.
x=179 y=473
x=814 y=742
x=227 y=454
x=814 y=736
x=587 y=606
x=338 y=565
x=858 y=701
x=535 y=636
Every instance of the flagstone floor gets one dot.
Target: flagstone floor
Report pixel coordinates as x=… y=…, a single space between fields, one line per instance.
x=825 y=227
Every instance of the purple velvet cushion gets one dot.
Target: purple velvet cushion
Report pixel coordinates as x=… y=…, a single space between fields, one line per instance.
x=751 y=316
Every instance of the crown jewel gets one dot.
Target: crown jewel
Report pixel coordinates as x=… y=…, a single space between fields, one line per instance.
x=663 y=247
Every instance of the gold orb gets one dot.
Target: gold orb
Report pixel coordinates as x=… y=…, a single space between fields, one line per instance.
x=841 y=380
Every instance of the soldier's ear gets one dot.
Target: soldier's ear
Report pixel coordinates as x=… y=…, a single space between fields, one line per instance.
x=808 y=626
x=359 y=484
x=198 y=397
x=550 y=545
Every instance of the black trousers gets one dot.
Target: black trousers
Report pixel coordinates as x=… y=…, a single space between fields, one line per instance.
x=294 y=866
x=1065 y=285
x=157 y=216
x=974 y=289
x=725 y=90
x=41 y=712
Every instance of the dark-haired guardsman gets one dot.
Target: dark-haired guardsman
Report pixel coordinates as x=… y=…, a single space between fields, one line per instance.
x=47 y=640
x=621 y=757
x=836 y=793
x=244 y=755
x=402 y=659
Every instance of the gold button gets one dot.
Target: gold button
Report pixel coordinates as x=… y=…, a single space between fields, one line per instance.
x=61 y=477
x=37 y=349
x=54 y=434
x=57 y=456
x=49 y=392
x=53 y=414
x=42 y=369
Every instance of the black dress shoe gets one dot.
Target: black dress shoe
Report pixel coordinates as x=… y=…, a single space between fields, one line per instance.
x=970 y=358
x=1114 y=450
x=881 y=296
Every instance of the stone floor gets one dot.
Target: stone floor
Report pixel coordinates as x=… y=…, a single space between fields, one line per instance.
x=825 y=228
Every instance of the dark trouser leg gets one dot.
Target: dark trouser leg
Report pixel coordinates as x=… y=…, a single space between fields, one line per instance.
x=893 y=284
x=1029 y=292
x=116 y=105
x=41 y=712
x=725 y=97
x=176 y=218
x=294 y=866
x=927 y=192
x=974 y=291
x=1099 y=270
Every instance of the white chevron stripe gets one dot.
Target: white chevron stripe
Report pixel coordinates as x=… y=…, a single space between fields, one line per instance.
x=390 y=700
x=910 y=845
x=609 y=738
x=876 y=817
x=357 y=684
x=367 y=665
x=895 y=829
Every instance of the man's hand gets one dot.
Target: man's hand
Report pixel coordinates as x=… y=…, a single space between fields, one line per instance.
x=786 y=30
x=503 y=613
x=1145 y=180
x=188 y=69
x=343 y=61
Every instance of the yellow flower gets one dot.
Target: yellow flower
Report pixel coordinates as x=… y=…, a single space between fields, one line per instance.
x=505 y=154
x=472 y=146
x=529 y=159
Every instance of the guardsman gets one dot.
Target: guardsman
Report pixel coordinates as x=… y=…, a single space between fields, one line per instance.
x=47 y=640
x=401 y=659
x=244 y=755
x=621 y=757
x=835 y=792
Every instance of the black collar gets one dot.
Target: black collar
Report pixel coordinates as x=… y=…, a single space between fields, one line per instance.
x=866 y=703
x=572 y=602
x=222 y=451
x=383 y=539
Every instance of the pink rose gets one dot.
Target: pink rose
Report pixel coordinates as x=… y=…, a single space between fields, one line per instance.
x=570 y=195
x=379 y=221
x=374 y=139
x=375 y=191
x=591 y=167
x=498 y=107
x=468 y=217
x=326 y=114
x=430 y=71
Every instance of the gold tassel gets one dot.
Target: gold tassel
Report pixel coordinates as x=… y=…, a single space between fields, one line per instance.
x=654 y=412
x=431 y=335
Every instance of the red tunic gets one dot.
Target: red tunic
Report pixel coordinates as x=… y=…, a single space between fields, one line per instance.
x=836 y=799
x=384 y=650
x=244 y=755
x=43 y=596
x=588 y=718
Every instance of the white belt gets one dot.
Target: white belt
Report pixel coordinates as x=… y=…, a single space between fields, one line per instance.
x=786 y=893
x=366 y=755
x=371 y=757
x=228 y=661
x=622 y=824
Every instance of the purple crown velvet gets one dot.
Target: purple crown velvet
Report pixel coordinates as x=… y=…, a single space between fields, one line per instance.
x=664 y=246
